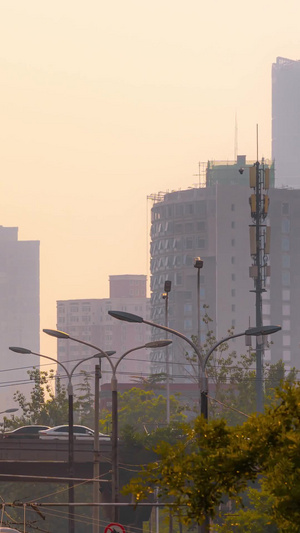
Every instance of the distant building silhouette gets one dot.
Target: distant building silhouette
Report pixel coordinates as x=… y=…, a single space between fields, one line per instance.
x=89 y=321
x=286 y=121
x=19 y=311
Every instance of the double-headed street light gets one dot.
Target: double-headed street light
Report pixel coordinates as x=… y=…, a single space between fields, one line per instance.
x=114 y=392
x=255 y=331
x=20 y=350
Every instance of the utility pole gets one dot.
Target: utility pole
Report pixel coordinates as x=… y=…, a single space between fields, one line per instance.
x=259 y=249
x=165 y=296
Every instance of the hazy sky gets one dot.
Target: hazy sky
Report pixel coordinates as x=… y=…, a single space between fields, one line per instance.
x=104 y=103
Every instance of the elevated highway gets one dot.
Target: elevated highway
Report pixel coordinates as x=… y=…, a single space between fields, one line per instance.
x=35 y=457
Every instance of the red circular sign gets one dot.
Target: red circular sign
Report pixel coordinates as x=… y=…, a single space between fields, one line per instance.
x=114 y=528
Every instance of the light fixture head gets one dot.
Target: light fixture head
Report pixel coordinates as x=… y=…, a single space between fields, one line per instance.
x=158 y=344
x=56 y=333
x=126 y=317
x=101 y=355
x=262 y=330
x=198 y=263
x=17 y=349
x=167 y=285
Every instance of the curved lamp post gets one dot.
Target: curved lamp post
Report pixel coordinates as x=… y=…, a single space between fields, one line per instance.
x=114 y=393
x=20 y=350
x=255 y=331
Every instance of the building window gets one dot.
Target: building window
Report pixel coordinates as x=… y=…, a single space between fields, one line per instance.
x=232 y=207
x=286 y=340
x=232 y=242
x=286 y=309
x=200 y=225
x=286 y=355
x=177 y=228
x=187 y=309
x=285 y=225
x=286 y=261
x=286 y=325
x=189 y=209
x=233 y=308
x=232 y=260
x=286 y=294
x=188 y=324
x=285 y=244
x=286 y=278
x=232 y=277
x=233 y=292
x=285 y=208
x=232 y=224
x=189 y=243
x=178 y=278
x=179 y=210
x=201 y=243
x=189 y=227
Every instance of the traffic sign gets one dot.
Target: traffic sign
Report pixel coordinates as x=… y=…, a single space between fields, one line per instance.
x=114 y=527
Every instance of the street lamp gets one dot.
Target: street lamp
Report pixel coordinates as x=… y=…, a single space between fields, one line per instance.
x=165 y=296
x=20 y=350
x=198 y=264
x=255 y=331
x=114 y=393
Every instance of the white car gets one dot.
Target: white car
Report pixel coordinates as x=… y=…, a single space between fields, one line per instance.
x=62 y=433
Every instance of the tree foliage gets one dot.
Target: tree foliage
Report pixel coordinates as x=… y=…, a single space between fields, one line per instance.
x=50 y=407
x=216 y=460
x=143 y=411
x=232 y=377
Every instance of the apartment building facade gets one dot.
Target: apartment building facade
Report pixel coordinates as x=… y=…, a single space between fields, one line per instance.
x=286 y=121
x=88 y=320
x=19 y=311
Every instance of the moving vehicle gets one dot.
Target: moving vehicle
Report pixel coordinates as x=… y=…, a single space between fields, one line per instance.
x=24 y=432
x=62 y=433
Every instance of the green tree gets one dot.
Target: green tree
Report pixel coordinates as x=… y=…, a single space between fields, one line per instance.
x=232 y=377
x=256 y=517
x=214 y=461
x=143 y=411
x=48 y=407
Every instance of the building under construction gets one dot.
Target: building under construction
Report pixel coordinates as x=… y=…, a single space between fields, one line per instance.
x=212 y=221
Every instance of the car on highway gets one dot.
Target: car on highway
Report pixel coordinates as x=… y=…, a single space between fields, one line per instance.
x=62 y=433
x=24 y=432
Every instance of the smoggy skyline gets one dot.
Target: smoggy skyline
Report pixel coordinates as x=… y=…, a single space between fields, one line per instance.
x=103 y=104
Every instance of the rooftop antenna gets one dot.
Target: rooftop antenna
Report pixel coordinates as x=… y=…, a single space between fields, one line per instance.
x=235 y=138
x=256 y=142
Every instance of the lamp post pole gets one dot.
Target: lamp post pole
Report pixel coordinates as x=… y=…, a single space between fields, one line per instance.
x=165 y=295
x=71 y=424
x=114 y=394
x=255 y=331
x=198 y=264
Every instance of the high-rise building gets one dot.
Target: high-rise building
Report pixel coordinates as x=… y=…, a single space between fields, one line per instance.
x=213 y=222
x=286 y=121
x=88 y=320
x=19 y=311
x=281 y=301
